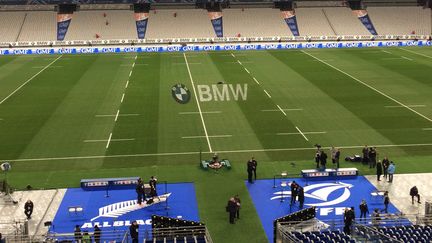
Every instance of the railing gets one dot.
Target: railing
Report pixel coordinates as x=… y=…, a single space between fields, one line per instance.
x=226 y=40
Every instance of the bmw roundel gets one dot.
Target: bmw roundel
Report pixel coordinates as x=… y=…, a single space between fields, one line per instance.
x=180 y=93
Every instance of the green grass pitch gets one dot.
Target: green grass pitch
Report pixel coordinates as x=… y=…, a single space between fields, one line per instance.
x=55 y=124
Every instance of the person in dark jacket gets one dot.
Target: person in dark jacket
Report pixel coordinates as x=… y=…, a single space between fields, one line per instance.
x=365 y=153
x=238 y=202
x=323 y=160
x=300 y=197
x=231 y=209
x=414 y=193
x=294 y=188
x=364 y=210
x=372 y=157
x=386 y=202
x=379 y=170
x=254 y=167
x=385 y=165
x=133 y=230
x=97 y=234
x=140 y=191
x=317 y=157
x=77 y=234
x=249 y=170
x=28 y=209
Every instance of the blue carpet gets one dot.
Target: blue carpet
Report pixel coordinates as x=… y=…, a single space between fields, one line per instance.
x=330 y=198
x=116 y=212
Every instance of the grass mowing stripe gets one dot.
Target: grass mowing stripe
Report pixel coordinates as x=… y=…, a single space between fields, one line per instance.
x=312 y=148
x=416 y=53
x=197 y=102
x=369 y=86
x=30 y=79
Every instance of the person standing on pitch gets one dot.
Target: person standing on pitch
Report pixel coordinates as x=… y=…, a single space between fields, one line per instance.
x=379 y=170
x=385 y=164
x=294 y=192
x=300 y=196
x=254 y=167
x=231 y=208
x=364 y=210
x=133 y=230
x=391 y=170
x=238 y=202
x=414 y=193
x=249 y=170
x=28 y=209
x=140 y=191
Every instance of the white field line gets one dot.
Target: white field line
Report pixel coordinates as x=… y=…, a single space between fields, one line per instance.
x=296 y=133
x=283 y=112
x=118 y=115
x=130 y=73
x=406 y=58
x=121 y=101
x=265 y=91
x=211 y=136
x=127 y=84
x=242 y=62
x=109 y=140
x=133 y=65
x=369 y=86
x=427 y=129
x=392 y=58
x=223 y=151
x=239 y=62
x=232 y=54
x=302 y=134
x=198 y=104
x=196 y=112
x=105 y=140
x=399 y=106
x=191 y=63
x=246 y=70
x=256 y=81
x=30 y=79
x=386 y=51
x=50 y=66
x=292 y=109
x=136 y=56
x=420 y=54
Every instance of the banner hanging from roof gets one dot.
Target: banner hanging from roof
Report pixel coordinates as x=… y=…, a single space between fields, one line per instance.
x=363 y=16
x=141 y=20
x=291 y=21
x=216 y=20
x=63 y=22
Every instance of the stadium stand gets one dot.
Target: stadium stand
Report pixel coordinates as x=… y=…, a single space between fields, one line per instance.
x=312 y=21
x=344 y=22
x=39 y=26
x=86 y=25
x=401 y=20
x=10 y=25
x=252 y=22
x=188 y=23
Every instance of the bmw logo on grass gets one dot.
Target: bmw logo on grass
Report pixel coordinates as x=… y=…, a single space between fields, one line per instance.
x=180 y=93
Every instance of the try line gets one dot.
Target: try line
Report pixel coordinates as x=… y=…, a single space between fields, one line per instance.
x=221 y=152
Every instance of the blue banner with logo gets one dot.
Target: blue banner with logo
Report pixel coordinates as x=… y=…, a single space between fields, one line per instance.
x=291 y=21
x=119 y=209
x=141 y=20
x=216 y=20
x=329 y=197
x=363 y=16
x=63 y=22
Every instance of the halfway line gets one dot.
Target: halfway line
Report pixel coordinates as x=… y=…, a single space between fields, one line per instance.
x=369 y=86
